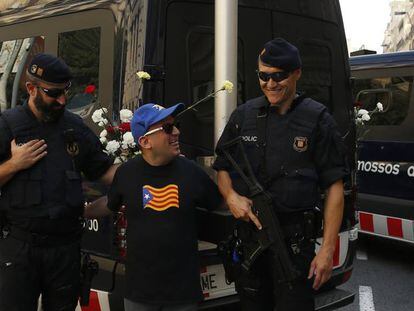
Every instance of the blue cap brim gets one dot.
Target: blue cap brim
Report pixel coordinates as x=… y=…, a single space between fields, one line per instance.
x=171 y=111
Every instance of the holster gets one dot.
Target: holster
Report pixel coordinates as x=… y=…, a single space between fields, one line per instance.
x=230 y=252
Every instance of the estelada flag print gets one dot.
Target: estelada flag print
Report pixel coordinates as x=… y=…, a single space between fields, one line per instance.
x=160 y=199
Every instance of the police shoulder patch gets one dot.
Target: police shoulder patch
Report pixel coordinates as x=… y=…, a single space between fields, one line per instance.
x=300 y=144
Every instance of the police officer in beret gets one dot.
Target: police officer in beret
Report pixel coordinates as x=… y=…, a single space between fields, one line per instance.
x=295 y=150
x=44 y=148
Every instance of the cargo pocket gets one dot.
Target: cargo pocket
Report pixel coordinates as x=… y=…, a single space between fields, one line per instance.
x=299 y=189
x=25 y=188
x=73 y=189
x=11 y=253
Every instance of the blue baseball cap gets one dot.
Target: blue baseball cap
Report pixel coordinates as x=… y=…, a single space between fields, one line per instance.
x=149 y=114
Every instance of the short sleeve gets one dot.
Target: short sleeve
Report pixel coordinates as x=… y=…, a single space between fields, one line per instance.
x=330 y=152
x=231 y=131
x=208 y=196
x=5 y=139
x=114 y=194
x=95 y=162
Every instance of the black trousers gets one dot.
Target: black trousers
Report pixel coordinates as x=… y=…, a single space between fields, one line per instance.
x=26 y=271
x=259 y=290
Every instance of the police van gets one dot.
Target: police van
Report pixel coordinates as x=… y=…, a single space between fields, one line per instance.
x=385 y=175
x=105 y=42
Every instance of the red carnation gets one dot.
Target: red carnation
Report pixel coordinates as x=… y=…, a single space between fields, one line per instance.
x=110 y=129
x=125 y=127
x=90 y=89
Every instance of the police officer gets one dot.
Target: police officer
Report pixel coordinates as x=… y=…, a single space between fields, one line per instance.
x=43 y=150
x=294 y=148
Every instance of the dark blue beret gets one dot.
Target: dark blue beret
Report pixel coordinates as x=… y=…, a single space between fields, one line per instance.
x=281 y=54
x=49 y=68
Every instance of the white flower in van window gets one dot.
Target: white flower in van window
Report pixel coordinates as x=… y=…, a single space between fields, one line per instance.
x=365 y=117
x=143 y=75
x=362 y=112
x=380 y=107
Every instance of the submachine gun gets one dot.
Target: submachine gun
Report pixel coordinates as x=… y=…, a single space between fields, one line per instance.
x=270 y=237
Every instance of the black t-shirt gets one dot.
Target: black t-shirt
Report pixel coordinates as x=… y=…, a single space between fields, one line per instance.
x=162 y=257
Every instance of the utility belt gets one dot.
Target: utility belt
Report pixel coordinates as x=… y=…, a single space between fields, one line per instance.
x=299 y=228
x=37 y=239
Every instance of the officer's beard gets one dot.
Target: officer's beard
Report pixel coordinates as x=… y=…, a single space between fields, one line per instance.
x=49 y=112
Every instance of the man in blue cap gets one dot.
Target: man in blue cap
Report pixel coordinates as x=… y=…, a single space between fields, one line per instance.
x=160 y=190
x=43 y=150
x=296 y=152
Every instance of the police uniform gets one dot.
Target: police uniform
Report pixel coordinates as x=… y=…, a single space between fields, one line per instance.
x=294 y=156
x=40 y=249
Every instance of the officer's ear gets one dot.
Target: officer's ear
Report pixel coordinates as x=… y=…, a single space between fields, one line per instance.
x=297 y=73
x=144 y=142
x=31 y=88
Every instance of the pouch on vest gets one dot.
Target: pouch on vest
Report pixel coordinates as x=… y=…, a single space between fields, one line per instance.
x=25 y=188
x=73 y=191
x=296 y=190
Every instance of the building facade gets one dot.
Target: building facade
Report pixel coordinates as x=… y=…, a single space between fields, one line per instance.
x=399 y=34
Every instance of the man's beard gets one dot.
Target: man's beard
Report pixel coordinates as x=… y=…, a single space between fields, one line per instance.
x=50 y=112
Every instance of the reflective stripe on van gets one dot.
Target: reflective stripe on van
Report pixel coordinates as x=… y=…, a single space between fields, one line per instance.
x=391 y=227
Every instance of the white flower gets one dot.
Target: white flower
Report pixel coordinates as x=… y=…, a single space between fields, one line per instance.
x=97 y=115
x=117 y=160
x=112 y=146
x=228 y=86
x=125 y=115
x=127 y=138
x=103 y=140
x=365 y=117
x=103 y=122
x=103 y=134
x=143 y=75
x=380 y=107
x=359 y=121
x=362 y=112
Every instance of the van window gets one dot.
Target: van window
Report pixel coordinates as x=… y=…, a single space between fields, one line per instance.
x=393 y=93
x=201 y=73
x=80 y=50
x=14 y=58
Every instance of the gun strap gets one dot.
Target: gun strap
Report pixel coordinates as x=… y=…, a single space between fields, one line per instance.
x=250 y=182
x=261 y=125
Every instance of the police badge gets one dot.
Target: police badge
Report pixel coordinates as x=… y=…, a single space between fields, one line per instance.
x=300 y=144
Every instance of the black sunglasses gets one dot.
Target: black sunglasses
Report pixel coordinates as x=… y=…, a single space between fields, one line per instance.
x=168 y=128
x=275 y=76
x=56 y=93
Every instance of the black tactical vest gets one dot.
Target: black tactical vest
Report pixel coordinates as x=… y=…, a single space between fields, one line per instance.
x=284 y=162
x=52 y=187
